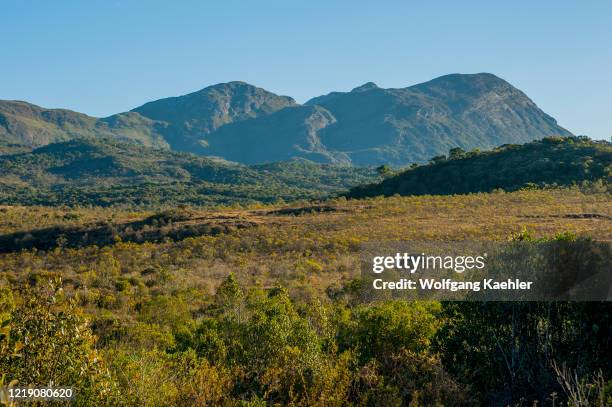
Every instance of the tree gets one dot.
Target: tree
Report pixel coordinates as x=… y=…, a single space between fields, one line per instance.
x=456 y=153
x=46 y=341
x=438 y=159
x=229 y=294
x=385 y=171
x=382 y=329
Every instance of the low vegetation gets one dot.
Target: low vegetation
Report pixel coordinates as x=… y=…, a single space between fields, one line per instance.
x=138 y=307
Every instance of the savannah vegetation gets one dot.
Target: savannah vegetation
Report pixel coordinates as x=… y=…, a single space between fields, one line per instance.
x=260 y=305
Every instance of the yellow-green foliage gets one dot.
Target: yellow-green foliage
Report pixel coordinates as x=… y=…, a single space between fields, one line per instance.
x=269 y=313
x=46 y=340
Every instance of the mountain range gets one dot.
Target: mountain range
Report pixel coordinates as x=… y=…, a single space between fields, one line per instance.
x=366 y=126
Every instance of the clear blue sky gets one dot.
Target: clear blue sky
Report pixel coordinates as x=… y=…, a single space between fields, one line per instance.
x=104 y=57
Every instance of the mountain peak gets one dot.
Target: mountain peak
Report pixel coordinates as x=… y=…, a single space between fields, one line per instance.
x=228 y=85
x=366 y=86
x=466 y=82
x=193 y=115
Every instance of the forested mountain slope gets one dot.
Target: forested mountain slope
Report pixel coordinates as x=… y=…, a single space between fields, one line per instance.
x=106 y=171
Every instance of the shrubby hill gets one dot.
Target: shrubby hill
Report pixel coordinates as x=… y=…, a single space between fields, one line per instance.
x=107 y=171
x=366 y=126
x=550 y=161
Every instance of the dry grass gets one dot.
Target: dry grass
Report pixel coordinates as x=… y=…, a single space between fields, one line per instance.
x=307 y=252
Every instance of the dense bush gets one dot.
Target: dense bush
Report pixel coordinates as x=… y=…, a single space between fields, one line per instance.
x=46 y=340
x=263 y=347
x=554 y=161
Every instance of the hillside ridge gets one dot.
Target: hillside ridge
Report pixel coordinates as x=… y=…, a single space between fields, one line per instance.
x=552 y=161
